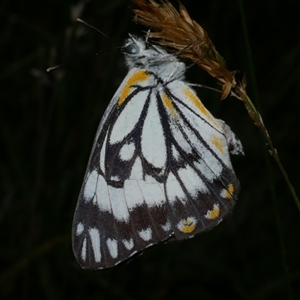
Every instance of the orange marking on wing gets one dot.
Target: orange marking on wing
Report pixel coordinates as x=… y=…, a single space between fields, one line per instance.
x=196 y=101
x=218 y=142
x=227 y=193
x=168 y=104
x=214 y=213
x=188 y=226
x=137 y=77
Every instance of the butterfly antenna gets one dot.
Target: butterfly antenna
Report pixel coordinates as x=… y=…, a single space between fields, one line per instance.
x=91 y=26
x=68 y=62
x=86 y=56
x=75 y=60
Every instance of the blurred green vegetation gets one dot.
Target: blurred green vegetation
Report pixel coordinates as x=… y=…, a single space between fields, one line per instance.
x=48 y=122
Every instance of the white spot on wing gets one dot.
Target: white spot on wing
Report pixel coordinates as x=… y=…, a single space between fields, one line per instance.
x=90 y=185
x=153 y=194
x=127 y=151
x=174 y=190
x=79 y=228
x=95 y=239
x=83 y=250
x=153 y=140
x=133 y=194
x=112 y=246
x=137 y=170
x=128 y=118
x=192 y=182
x=166 y=227
x=175 y=153
x=102 y=195
x=118 y=204
x=115 y=178
x=212 y=162
x=232 y=140
x=128 y=244
x=206 y=171
x=180 y=139
x=150 y=180
x=145 y=234
x=102 y=155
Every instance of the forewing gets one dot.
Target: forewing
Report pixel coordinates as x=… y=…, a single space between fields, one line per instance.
x=122 y=205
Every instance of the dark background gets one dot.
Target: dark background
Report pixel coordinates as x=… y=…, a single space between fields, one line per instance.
x=48 y=122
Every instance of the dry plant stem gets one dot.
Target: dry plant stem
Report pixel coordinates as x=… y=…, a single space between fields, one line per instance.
x=257 y=119
x=176 y=30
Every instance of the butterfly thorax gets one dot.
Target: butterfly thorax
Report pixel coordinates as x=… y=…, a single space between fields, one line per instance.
x=139 y=54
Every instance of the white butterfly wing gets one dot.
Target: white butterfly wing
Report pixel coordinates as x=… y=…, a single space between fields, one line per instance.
x=159 y=168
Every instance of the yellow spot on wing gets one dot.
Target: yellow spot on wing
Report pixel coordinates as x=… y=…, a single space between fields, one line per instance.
x=138 y=76
x=214 y=213
x=188 y=225
x=196 y=101
x=218 y=142
x=168 y=104
x=227 y=193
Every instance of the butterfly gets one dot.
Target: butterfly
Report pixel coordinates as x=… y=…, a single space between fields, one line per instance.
x=160 y=165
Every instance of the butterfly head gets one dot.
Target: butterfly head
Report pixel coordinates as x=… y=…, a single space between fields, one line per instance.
x=143 y=55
